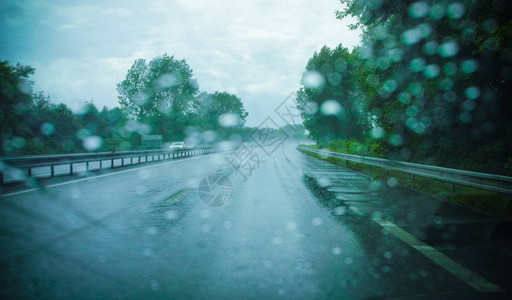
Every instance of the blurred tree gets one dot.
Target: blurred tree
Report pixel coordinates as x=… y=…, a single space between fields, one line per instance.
x=160 y=93
x=440 y=74
x=212 y=107
x=331 y=102
x=15 y=103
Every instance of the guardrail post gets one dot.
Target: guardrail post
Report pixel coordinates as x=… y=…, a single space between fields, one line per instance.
x=52 y=170
x=146 y=159
x=131 y=160
x=122 y=161
x=71 y=169
x=29 y=170
x=112 y=163
x=101 y=164
x=87 y=166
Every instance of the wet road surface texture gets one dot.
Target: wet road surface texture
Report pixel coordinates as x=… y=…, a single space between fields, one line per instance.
x=298 y=227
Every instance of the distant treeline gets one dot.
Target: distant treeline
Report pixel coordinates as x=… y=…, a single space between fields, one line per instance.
x=431 y=83
x=159 y=97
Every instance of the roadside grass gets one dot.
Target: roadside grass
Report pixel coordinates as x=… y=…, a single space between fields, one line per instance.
x=492 y=203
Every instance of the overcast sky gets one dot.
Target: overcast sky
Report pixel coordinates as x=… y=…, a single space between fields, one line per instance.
x=256 y=49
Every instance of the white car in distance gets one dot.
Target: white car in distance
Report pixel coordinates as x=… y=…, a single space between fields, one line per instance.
x=177 y=146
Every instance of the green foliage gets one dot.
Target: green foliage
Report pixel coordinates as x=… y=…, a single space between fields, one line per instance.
x=435 y=79
x=159 y=97
x=163 y=95
x=209 y=107
x=367 y=148
x=331 y=103
x=31 y=124
x=159 y=93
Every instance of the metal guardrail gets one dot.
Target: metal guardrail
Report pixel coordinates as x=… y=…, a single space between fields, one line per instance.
x=28 y=163
x=497 y=183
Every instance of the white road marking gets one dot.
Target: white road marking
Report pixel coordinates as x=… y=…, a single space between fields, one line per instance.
x=476 y=281
x=99 y=176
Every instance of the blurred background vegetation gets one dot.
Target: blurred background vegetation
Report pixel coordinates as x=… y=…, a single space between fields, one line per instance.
x=159 y=97
x=430 y=83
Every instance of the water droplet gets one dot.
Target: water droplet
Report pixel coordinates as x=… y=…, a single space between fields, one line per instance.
x=171 y=214
x=472 y=92
x=47 y=128
x=446 y=84
x=312 y=80
x=340 y=210
x=323 y=181
x=167 y=80
x=425 y=29
x=468 y=66
x=377 y=133
x=395 y=140
x=390 y=85
x=392 y=182
x=404 y=98
x=154 y=285
x=375 y=185
x=336 y=251
x=331 y=107
x=317 y=221
x=448 y=49
x=431 y=71
x=205 y=213
x=430 y=48
x=92 y=143
x=465 y=117
x=411 y=36
x=417 y=64
x=469 y=105
x=456 y=10
x=416 y=89
x=292 y=226
x=229 y=120
x=334 y=79
x=310 y=108
x=418 y=10
x=437 y=11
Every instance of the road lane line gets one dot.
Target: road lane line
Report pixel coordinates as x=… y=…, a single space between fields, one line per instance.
x=99 y=176
x=477 y=282
x=177 y=195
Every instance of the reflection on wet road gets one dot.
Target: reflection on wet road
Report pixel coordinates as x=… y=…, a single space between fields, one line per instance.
x=297 y=228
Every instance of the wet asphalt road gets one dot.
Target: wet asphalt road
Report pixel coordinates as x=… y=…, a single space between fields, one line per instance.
x=297 y=227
